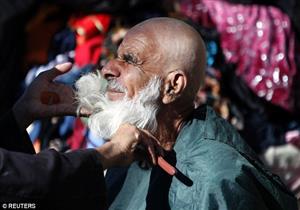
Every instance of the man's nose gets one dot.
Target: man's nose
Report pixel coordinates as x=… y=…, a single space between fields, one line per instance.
x=111 y=70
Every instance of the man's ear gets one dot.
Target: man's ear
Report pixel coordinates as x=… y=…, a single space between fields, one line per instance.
x=174 y=84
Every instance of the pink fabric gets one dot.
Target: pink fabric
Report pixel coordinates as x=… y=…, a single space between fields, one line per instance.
x=258 y=39
x=293 y=137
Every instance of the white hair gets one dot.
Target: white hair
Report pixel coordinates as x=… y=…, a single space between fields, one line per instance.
x=108 y=115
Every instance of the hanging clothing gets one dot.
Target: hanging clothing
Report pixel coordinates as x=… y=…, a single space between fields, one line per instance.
x=258 y=39
x=90 y=33
x=290 y=7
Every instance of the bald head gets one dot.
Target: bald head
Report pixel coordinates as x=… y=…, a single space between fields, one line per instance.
x=180 y=45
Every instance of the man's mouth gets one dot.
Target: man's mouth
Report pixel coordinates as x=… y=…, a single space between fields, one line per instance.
x=115 y=91
x=114 y=94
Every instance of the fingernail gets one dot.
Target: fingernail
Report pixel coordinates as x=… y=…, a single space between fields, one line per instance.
x=64 y=65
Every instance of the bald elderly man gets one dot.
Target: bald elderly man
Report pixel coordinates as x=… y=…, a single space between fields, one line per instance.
x=153 y=84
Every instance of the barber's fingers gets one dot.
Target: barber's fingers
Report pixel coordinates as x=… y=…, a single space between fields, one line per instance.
x=72 y=109
x=158 y=149
x=151 y=151
x=58 y=110
x=145 y=152
x=83 y=112
x=56 y=71
x=152 y=147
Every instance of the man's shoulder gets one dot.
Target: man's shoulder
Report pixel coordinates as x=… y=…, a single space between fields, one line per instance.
x=205 y=127
x=213 y=157
x=205 y=123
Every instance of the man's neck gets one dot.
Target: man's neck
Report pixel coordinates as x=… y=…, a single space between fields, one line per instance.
x=169 y=125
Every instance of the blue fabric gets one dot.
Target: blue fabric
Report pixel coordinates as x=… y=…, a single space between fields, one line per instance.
x=36 y=129
x=211 y=52
x=93 y=141
x=67 y=125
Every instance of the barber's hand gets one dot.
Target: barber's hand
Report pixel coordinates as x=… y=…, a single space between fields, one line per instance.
x=45 y=98
x=128 y=144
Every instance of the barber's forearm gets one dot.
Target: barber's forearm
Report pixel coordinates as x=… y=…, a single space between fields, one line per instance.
x=52 y=174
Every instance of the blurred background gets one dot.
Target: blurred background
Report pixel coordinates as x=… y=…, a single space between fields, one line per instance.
x=253 y=64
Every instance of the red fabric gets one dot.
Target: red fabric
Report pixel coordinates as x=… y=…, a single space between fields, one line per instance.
x=89 y=52
x=258 y=39
x=77 y=139
x=90 y=33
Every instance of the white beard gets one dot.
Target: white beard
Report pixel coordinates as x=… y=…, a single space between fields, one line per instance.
x=108 y=115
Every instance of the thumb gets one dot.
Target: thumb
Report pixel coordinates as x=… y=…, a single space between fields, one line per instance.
x=58 y=70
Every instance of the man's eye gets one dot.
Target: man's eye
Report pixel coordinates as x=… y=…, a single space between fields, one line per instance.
x=129 y=59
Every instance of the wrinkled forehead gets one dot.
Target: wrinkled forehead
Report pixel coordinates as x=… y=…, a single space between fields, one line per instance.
x=139 y=39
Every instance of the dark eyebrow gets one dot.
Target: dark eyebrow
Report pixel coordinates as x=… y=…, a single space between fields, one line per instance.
x=129 y=57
